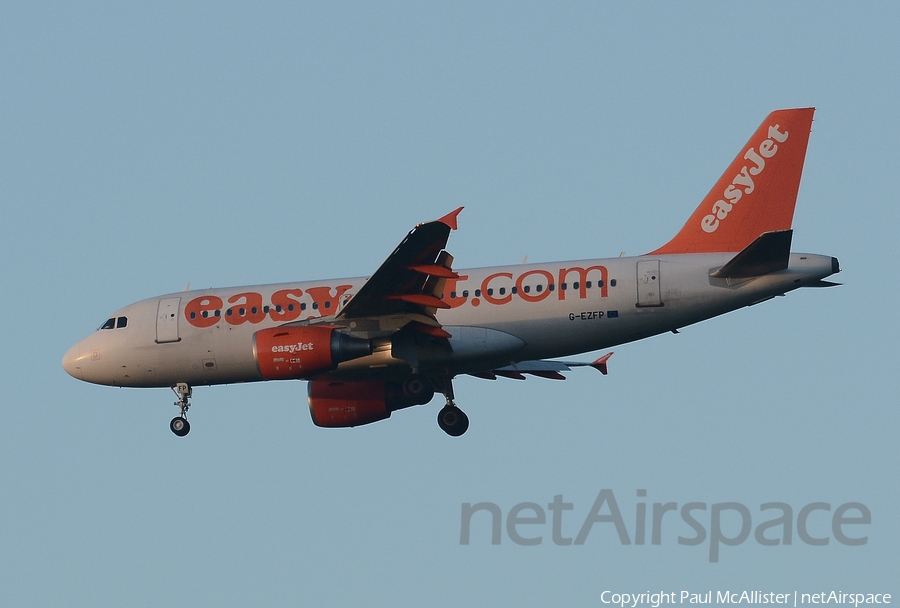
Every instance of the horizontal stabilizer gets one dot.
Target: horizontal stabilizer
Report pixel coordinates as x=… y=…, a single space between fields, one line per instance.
x=823 y=284
x=770 y=252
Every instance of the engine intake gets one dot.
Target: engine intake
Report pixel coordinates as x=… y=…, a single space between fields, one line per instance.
x=290 y=353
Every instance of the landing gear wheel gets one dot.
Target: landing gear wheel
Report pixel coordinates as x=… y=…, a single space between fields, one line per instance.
x=180 y=426
x=453 y=420
x=418 y=389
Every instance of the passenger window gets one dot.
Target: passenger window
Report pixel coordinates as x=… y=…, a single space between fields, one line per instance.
x=612 y=283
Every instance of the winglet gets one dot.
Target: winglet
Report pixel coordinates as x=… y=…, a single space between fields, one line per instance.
x=450 y=218
x=600 y=364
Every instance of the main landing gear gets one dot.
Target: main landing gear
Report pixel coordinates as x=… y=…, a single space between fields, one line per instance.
x=417 y=390
x=451 y=419
x=180 y=425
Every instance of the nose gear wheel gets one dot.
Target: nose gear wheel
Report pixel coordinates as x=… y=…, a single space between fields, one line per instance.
x=180 y=426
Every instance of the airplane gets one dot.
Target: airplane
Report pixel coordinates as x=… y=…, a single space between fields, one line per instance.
x=368 y=347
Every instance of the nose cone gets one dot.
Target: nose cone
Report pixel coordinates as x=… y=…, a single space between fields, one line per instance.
x=73 y=361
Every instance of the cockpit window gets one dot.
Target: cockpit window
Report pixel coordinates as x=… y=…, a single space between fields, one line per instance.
x=115 y=323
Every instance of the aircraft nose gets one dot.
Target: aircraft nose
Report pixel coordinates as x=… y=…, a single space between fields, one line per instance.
x=72 y=362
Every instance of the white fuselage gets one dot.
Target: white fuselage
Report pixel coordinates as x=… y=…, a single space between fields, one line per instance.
x=497 y=316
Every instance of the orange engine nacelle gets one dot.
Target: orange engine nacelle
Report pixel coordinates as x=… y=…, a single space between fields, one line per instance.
x=290 y=353
x=339 y=404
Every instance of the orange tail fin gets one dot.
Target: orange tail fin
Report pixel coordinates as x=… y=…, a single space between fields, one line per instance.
x=756 y=194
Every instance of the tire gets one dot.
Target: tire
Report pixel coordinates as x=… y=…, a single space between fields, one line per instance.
x=418 y=390
x=180 y=426
x=453 y=421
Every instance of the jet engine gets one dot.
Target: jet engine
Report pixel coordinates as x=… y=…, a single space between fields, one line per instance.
x=342 y=404
x=290 y=353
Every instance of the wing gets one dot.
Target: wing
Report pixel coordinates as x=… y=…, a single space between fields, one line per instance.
x=408 y=286
x=542 y=369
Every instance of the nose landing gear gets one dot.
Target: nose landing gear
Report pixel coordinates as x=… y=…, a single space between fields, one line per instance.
x=180 y=425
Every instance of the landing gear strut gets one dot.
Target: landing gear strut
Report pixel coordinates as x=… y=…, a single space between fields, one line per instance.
x=179 y=425
x=451 y=419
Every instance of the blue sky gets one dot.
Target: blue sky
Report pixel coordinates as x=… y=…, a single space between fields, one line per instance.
x=145 y=147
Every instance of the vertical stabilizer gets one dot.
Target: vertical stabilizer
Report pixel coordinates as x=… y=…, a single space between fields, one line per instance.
x=757 y=192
